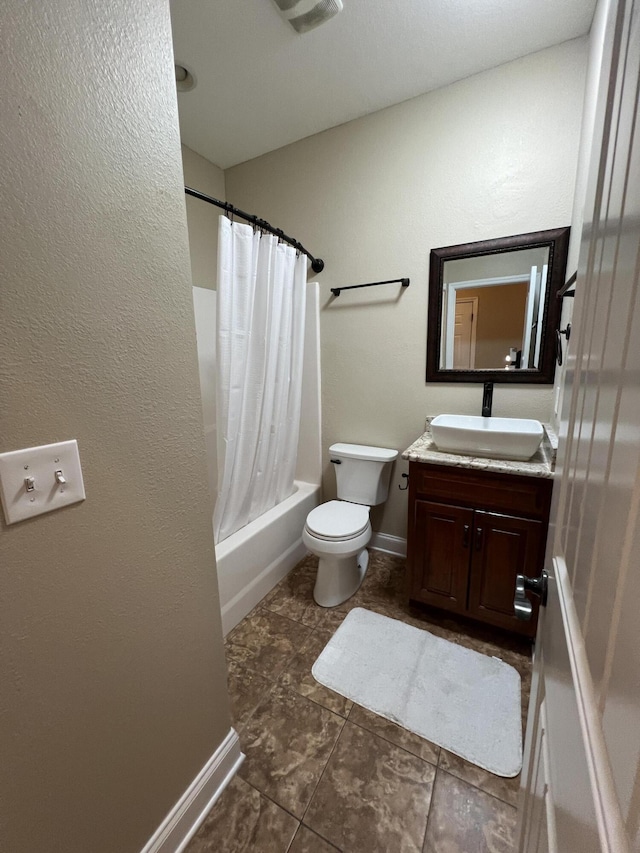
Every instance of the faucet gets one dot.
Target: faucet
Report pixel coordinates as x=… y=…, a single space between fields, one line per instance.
x=487 y=399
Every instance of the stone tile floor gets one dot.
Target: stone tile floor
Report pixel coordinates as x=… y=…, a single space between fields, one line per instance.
x=323 y=774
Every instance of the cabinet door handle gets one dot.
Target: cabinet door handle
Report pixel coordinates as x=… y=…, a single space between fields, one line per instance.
x=478 y=538
x=465 y=536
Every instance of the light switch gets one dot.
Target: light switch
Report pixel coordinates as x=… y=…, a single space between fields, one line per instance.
x=40 y=479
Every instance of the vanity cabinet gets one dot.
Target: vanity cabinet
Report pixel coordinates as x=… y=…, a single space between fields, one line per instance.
x=470 y=533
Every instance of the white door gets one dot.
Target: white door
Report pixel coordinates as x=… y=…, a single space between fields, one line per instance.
x=581 y=779
x=528 y=317
x=542 y=297
x=464 y=333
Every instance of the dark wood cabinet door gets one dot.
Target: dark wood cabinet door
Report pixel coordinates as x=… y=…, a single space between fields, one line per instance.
x=503 y=546
x=440 y=554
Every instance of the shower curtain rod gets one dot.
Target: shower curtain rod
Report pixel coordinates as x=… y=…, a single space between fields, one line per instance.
x=317 y=264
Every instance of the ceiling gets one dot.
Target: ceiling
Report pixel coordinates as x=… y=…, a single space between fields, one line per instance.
x=260 y=85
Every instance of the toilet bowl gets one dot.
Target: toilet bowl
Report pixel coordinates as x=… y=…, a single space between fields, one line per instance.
x=338 y=531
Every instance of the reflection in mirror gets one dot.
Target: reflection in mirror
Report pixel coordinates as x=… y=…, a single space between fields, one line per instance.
x=493 y=308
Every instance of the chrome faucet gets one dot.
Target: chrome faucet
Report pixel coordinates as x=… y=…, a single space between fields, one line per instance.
x=487 y=399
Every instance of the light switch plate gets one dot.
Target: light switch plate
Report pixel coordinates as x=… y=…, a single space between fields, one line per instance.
x=28 y=484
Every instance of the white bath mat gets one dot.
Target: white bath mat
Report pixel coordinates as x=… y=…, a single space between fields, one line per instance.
x=459 y=699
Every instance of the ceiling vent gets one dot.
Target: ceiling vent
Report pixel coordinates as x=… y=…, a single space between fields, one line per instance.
x=305 y=15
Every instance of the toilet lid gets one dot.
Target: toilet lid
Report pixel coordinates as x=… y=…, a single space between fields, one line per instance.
x=338 y=520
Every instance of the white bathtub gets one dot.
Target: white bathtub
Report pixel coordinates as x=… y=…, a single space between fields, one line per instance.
x=253 y=560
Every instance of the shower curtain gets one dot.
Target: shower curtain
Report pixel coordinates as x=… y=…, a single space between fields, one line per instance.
x=260 y=346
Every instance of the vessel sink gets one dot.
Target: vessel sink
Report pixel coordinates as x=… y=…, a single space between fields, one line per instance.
x=497 y=438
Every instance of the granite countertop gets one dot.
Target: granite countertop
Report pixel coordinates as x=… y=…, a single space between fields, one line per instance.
x=541 y=464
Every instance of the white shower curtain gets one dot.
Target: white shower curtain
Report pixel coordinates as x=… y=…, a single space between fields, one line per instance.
x=260 y=345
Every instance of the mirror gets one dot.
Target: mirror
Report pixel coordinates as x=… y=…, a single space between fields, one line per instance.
x=493 y=308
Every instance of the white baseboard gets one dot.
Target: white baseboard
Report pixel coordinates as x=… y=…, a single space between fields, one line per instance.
x=389 y=544
x=182 y=822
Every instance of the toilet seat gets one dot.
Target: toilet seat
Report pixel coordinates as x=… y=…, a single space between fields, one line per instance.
x=338 y=521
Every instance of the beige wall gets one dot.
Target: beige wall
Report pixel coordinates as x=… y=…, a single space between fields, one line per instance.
x=113 y=688
x=492 y=155
x=202 y=218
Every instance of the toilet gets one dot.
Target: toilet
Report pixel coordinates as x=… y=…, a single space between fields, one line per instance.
x=338 y=532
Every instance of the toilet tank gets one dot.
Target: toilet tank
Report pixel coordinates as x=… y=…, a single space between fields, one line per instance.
x=362 y=472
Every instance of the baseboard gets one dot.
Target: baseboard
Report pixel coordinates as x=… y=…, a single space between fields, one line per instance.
x=235 y=610
x=389 y=544
x=182 y=822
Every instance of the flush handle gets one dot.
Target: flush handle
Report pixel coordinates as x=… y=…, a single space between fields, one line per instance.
x=336 y=461
x=522 y=606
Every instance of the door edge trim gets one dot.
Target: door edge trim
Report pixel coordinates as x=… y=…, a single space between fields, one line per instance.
x=611 y=826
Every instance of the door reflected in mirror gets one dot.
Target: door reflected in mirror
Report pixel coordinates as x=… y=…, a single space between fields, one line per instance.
x=493 y=309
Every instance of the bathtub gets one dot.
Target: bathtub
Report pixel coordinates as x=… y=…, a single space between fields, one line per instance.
x=253 y=560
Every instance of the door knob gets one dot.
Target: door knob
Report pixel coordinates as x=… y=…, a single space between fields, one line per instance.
x=521 y=604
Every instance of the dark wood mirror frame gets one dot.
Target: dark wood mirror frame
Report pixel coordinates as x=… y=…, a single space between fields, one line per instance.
x=557 y=239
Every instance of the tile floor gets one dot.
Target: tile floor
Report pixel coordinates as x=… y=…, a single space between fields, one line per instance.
x=323 y=774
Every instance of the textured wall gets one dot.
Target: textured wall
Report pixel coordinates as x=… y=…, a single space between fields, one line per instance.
x=494 y=154
x=111 y=662
x=202 y=218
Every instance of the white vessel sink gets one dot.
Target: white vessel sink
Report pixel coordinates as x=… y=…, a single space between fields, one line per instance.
x=497 y=438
